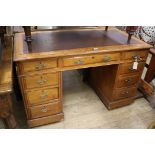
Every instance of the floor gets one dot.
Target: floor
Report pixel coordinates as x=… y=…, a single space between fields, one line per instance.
x=83 y=109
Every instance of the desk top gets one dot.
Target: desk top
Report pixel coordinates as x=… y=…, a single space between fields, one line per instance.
x=6 y=67
x=70 y=42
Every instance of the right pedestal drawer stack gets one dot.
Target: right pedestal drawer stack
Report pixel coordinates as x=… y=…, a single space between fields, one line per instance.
x=128 y=78
x=116 y=85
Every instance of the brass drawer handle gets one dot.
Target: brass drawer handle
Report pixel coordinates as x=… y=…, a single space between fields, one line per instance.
x=41 y=82
x=106 y=58
x=125 y=93
x=44 y=109
x=127 y=80
x=44 y=95
x=39 y=66
x=79 y=62
x=137 y=57
x=131 y=69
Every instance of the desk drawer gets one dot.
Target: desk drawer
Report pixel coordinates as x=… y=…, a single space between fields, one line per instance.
x=45 y=110
x=124 y=93
x=42 y=80
x=127 y=81
x=38 y=65
x=95 y=58
x=36 y=97
x=141 y=55
x=127 y=68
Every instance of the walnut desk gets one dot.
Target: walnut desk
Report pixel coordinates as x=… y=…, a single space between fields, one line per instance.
x=106 y=55
x=6 y=82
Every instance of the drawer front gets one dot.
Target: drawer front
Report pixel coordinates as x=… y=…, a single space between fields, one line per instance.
x=96 y=58
x=45 y=110
x=42 y=80
x=41 y=96
x=127 y=81
x=127 y=68
x=124 y=93
x=38 y=65
x=45 y=120
x=141 y=55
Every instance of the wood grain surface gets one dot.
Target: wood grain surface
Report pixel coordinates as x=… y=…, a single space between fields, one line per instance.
x=6 y=67
x=71 y=42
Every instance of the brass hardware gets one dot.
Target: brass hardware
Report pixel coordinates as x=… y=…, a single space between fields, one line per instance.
x=95 y=48
x=130 y=68
x=137 y=57
x=127 y=80
x=39 y=66
x=125 y=93
x=106 y=58
x=44 y=95
x=44 y=109
x=79 y=62
x=42 y=81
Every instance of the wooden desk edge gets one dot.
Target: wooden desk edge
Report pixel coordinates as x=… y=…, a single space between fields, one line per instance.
x=19 y=56
x=6 y=89
x=7 y=86
x=73 y=52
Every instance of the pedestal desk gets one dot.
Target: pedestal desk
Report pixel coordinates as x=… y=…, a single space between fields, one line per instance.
x=108 y=57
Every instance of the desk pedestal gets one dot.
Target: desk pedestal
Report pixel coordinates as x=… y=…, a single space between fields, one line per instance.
x=115 y=88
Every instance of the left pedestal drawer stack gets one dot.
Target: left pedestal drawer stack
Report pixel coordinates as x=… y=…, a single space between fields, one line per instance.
x=41 y=90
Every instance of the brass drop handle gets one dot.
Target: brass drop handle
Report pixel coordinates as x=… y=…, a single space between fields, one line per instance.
x=44 y=95
x=137 y=57
x=79 y=62
x=130 y=68
x=39 y=66
x=44 y=109
x=106 y=58
x=42 y=81
x=127 y=80
x=125 y=93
